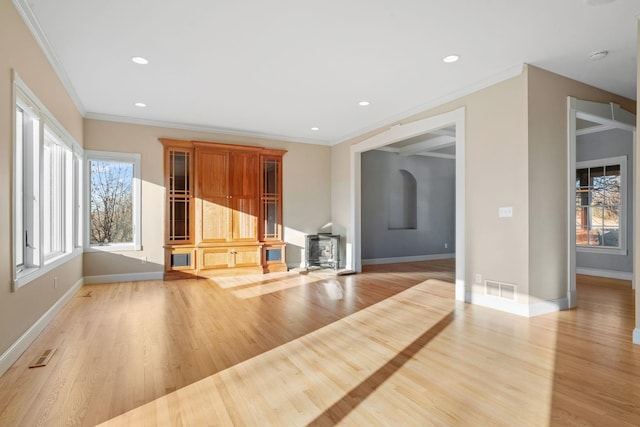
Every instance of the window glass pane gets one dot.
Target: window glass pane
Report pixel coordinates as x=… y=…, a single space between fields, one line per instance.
x=611 y=237
x=19 y=190
x=582 y=229
x=595 y=222
x=598 y=186
x=77 y=171
x=612 y=185
x=582 y=178
x=111 y=204
x=611 y=226
x=53 y=196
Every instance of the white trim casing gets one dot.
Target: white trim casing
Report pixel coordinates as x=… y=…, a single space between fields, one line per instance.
x=610 y=274
x=513 y=307
x=636 y=336
x=610 y=115
x=397 y=133
x=392 y=260
x=127 y=277
x=11 y=355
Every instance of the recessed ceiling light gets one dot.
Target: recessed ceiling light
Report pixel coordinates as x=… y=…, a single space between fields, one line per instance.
x=315 y=128
x=597 y=56
x=140 y=60
x=364 y=103
x=140 y=104
x=451 y=58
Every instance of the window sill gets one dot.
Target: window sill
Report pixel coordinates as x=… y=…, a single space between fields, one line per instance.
x=114 y=248
x=601 y=250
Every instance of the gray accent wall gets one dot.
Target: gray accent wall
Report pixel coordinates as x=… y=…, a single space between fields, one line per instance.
x=600 y=145
x=435 y=205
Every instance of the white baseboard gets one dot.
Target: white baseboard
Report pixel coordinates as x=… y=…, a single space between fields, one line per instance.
x=636 y=336
x=129 y=277
x=12 y=354
x=551 y=306
x=392 y=260
x=610 y=274
x=514 y=307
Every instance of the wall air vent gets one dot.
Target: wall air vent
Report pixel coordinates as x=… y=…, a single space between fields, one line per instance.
x=492 y=288
x=499 y=289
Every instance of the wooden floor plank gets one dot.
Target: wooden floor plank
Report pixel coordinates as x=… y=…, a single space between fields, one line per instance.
x=386 y=347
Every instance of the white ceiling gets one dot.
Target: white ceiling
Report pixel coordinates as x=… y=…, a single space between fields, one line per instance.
x=278 y=68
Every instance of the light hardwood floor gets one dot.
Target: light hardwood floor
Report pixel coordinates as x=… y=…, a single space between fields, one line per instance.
x=386 y=347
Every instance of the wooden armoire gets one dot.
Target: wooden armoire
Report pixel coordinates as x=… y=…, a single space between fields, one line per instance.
x=223 y=209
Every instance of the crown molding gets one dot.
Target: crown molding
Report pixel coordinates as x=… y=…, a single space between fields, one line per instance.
x=506 y=74
x=23 y=8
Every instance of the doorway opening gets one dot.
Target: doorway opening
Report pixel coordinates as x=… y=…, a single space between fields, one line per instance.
x=601 y=192
x=440 y=126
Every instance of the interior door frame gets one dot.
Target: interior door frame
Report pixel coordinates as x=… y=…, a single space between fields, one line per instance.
x=394 y=134
x=614 y=117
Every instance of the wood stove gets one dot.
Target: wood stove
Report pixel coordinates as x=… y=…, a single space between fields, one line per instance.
x=322 y=250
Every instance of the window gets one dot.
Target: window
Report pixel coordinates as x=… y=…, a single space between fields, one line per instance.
x=26 y=187
x=113 y=181
x=600 y=205
x=57 y=194
x=44 y=189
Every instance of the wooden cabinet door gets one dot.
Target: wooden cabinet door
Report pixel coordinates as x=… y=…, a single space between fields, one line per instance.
x=243 y=174
x=243 y=183
x=247 y=256
x=213 y=194
x=178 y=168
x=271 y=198
x=211 y=258
x=213 y=175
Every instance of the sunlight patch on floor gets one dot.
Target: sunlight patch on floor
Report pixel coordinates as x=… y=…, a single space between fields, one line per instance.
x=298 y=381
x=414 y=358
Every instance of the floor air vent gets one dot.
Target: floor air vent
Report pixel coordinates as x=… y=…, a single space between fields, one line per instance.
x=43 y=359
x=499 y=289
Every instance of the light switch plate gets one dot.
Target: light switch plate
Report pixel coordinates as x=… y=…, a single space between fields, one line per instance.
x=505 y=212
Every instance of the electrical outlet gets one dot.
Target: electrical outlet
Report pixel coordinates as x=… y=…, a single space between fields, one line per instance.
x=143 y=260
x=478 y=278
x=446 y=245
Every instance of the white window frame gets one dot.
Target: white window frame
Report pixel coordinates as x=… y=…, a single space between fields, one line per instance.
x=37 y=265
x=134 y=158
x=610 y=161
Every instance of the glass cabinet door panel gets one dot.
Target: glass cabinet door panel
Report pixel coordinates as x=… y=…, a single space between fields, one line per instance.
x=271 y=219
x=179 y=164
x=179 y=220
x=270 y=179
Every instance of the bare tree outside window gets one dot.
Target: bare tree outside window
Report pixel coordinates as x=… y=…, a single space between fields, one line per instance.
x=598 y=206
x=111 y=202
